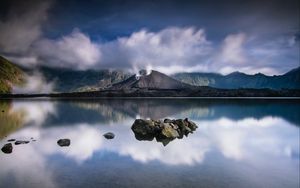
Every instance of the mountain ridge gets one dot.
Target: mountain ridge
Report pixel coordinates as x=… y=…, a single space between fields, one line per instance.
x=68 y=80
x=154 y=80
x=235 y=80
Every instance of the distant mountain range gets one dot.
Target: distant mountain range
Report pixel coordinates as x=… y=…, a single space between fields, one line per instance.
x=236 y=80
x=67 y=80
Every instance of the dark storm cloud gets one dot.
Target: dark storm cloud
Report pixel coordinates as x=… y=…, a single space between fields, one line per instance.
x=21 y=25
x=212 y=36
x=118 y=18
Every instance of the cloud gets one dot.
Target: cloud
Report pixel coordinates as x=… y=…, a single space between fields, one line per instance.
x=35 y=83
x=22 y=25
x=232 y=51
x=171 y=46
x=75 y=50
x=170 y=50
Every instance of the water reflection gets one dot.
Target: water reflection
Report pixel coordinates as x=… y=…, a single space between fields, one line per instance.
x=258 y=133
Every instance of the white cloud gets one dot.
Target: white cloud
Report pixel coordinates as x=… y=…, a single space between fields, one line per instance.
x=232 y=51
x=75 y=50
x=171 y=46
x=35 y=83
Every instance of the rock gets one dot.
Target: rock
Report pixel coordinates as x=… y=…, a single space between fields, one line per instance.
x=18 y=142
x=168 y=121
x=169 y=132
x=11 y=140
x=190 y=124
x=144 y=129
x=164 y=141
x=7 y=148
x=164 y=131
x=64 y=142
x=109 y=135
x=2 y=110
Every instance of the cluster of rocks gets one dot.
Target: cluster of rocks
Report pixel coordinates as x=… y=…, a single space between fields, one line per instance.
x=8 y=148
x=163 y=130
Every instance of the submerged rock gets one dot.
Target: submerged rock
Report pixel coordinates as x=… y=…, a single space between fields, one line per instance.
x=109 y=135
x=7 y=148
x=64 y=142
x=18 y=142
x=164 y=131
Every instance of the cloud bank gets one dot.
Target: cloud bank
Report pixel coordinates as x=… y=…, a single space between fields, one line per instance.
x=171 y=49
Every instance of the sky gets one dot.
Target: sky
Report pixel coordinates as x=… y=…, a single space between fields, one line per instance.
x=250 y=36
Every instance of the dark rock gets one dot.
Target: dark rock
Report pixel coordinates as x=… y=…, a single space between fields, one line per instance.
x=7 y=148
x=2 y=110
x=11 y=140
x=164 y=141
x=168 y=121
x=191 y=124
x=144 y=129
x=109 y=135
x=64 y=142
x=164 y=131
x=18 y=142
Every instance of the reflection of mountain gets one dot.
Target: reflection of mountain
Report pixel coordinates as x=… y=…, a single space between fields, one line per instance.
x=10 y=120
x=117 y=110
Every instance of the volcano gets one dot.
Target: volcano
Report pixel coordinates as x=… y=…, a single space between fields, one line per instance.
x=154 y=80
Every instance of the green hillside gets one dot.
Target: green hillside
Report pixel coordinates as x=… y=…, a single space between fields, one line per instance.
x=10 y=74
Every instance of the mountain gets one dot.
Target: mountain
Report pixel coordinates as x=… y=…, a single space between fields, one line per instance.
x=154 y=80
x=68 y=80
x=10 y=75
x=235 y=80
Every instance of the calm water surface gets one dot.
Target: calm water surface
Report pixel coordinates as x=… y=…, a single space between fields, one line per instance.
x=239 y=143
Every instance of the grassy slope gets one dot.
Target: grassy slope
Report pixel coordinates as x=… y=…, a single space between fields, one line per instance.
x=10 y=74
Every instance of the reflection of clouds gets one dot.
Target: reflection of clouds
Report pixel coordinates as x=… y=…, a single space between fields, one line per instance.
x=36 y=112
x=85 y=140
x=239 y=140
x=244 y=140
x=25 y=168
x=28 y=163
x=247 y=139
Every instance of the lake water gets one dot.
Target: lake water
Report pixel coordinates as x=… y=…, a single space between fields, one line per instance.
x=238 y=143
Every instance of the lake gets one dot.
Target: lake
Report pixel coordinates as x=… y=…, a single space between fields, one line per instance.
x=238 y=143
